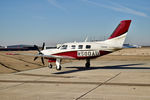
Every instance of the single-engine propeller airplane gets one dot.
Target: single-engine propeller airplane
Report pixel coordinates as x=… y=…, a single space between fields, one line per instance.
x=84 y=50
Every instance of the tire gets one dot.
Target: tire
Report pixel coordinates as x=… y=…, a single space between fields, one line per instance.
x=87 y=65
x=58 y=68
x=50 y=66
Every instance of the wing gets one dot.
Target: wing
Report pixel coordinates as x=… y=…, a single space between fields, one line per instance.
x=41 y=55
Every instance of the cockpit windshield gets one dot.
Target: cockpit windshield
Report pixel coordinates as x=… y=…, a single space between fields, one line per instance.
x=64 y=47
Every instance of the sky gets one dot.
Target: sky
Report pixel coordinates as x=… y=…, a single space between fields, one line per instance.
x=58 y=21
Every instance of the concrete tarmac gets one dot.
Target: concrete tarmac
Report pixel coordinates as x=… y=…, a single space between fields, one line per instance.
x=105 y=80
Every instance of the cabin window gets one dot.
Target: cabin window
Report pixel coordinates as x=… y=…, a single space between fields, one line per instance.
x=80 y=46
x=88 y=46
x=64 y=47
x=73 y=46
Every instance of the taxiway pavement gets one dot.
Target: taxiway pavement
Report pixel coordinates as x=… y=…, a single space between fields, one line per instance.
x=105 y=80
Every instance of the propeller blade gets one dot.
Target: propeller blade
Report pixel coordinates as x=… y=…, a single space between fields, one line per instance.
x=37 y=48
x=35 y=58
x=43 y=46
x=42 y=59
x=40 y=53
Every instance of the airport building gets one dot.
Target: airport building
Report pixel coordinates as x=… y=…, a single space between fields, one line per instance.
x=17 y=48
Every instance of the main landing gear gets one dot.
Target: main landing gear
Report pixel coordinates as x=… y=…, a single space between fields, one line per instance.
x=87 y=64
x=58 y=64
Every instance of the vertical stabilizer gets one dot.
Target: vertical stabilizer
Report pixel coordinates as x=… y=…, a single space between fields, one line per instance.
x=118 y=36
x=121 y=29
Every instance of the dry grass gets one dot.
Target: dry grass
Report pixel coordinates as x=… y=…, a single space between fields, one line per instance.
x=129 y=54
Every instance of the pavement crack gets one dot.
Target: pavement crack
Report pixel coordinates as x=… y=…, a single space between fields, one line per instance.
x=97 y=86
x=9 y=67
x=22 y=60
x=20 y=83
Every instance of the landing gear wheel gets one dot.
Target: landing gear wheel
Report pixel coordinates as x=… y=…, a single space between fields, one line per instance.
x=50 y=65
x=87 y=65
x=58 y=67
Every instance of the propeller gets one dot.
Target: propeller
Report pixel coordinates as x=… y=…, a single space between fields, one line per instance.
x=43 y=46
x=39 y=52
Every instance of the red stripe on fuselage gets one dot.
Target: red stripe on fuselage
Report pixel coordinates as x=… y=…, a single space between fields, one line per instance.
x=73 y=54
x=102 y=53
x=51 y=60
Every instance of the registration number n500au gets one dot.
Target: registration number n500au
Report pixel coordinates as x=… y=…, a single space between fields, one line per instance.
x=87 y=53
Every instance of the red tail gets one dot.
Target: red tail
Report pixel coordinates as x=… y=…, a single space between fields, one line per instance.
x=121 y=29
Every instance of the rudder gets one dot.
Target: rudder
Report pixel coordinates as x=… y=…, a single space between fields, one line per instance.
x=121 y=29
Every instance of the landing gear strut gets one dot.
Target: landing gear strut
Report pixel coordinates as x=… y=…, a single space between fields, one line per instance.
x=87 y=64
x=58 y=66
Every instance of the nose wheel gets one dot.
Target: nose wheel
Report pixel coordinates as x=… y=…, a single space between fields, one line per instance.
x=50 y=65
x=58 y=67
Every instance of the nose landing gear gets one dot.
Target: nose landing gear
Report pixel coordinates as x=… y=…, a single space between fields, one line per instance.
x=58 y=66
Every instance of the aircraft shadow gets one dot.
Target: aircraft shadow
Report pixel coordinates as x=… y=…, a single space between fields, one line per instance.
x=80 y=68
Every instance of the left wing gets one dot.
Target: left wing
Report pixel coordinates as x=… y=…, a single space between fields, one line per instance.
x=41 y=55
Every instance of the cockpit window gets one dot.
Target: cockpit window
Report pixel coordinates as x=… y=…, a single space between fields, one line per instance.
x=88 y=46
x=64 y=47
x=58 y=47
x=80 y=46
x=73 y=46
